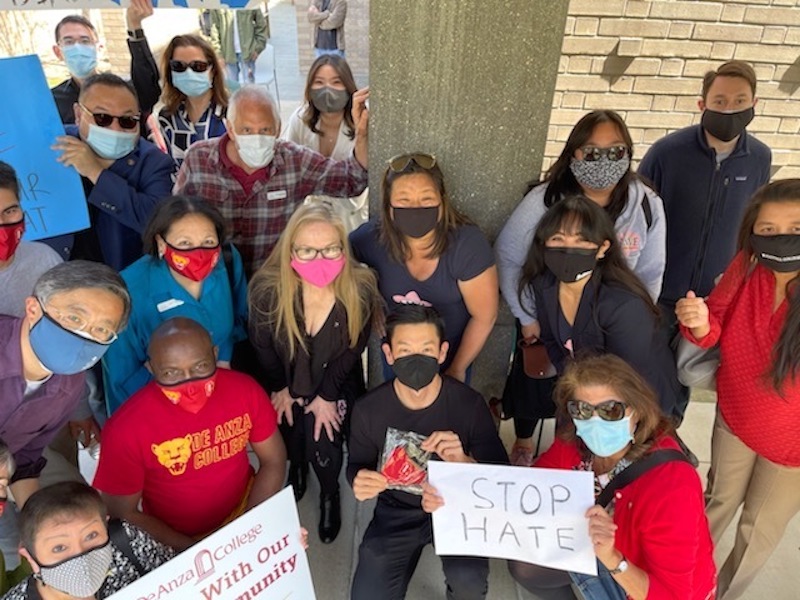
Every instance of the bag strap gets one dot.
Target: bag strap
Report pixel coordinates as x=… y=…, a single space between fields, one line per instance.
x=648 y=211
x=119 y=537
x=636 y=470
x=227 y=258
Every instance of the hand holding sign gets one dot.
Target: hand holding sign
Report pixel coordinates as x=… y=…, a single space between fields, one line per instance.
x=602 y=531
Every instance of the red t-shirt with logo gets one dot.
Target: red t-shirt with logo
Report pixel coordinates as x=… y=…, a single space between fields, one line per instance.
x=192 y=469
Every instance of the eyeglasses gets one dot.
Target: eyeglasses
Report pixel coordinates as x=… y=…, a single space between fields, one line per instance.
x=105 y=120
x=614 y=153
x=78 y=324
x=198 y=66
x=68 y=42
x=305 y=253
x=400 y=163
x=610 y=410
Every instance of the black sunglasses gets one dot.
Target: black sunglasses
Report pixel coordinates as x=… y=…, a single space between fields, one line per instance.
x=614 y=153
x=610 y=410
x=105 y=120
x=400 y=163
x=198 y=66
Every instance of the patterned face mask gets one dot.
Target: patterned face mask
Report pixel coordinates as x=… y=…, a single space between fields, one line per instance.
x=81 y=575
x=599 y=174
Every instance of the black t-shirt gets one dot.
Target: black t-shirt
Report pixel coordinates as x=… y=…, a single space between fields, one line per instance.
x=458 y=408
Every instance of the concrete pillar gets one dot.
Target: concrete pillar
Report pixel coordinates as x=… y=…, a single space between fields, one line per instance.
x=471 y=82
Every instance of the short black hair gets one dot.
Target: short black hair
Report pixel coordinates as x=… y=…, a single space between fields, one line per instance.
x=414 y=314
x=77 y=19
x=68 y=498
x=171 y=209
x=8 y=179
x=110 y=80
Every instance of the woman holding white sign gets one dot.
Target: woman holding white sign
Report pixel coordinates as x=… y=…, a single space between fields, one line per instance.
x=649 y=531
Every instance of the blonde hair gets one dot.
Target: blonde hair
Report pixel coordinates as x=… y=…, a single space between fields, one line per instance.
x=274 y=292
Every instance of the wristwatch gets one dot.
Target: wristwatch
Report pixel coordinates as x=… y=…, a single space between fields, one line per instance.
x=135 y=34
x=621 y=567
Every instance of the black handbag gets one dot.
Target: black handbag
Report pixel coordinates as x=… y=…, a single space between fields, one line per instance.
x=526 y=397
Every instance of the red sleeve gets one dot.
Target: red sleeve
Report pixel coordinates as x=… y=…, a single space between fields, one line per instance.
x=561 y=455
x=121 y=469
x=265 y=420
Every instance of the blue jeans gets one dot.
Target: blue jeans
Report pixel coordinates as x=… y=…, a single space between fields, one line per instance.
x=320 y=52
x=602 y=587
x=246 y=67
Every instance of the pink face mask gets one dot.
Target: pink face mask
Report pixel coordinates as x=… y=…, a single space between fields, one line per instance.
x=319 y=272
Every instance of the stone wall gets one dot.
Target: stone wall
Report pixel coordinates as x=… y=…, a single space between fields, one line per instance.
x=646 y=59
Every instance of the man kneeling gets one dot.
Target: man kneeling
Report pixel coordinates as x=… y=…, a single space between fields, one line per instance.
x=180 y=443
x=457 y=427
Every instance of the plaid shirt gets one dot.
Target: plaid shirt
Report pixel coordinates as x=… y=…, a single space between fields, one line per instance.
x=259 y=217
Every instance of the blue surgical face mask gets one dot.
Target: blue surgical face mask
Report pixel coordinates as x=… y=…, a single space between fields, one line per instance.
x=62 y=351
x=190 y=83
x=108 y=143
x=81 y=60
x=604 y=438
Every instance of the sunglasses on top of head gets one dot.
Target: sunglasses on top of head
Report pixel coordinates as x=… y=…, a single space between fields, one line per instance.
x=400 y=163
x=614 y=153
x=105 y=120
x=610 y=410
x=198 y=66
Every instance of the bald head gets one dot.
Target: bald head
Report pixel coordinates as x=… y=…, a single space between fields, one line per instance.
x=181 y=349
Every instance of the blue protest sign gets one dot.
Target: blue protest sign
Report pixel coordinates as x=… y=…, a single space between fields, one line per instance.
x=51 y=194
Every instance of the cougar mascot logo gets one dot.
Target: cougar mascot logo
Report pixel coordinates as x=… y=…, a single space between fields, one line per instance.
x=174 y=454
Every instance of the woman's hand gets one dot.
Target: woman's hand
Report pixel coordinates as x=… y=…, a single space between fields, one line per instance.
x=602 y=532
x=359 y=112
x=368 y=484
x=326 y=415
x=431 y=500
x=692 y=313
x=283 y=402
x=304 y=538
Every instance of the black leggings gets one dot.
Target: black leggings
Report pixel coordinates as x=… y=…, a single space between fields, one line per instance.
x=524 y=428
x=543 y=583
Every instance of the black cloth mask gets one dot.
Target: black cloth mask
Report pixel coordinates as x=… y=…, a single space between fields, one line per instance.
x=780 y=253
x=726 y=126
x=416 y=370
x=570 y=264
x=415 y=222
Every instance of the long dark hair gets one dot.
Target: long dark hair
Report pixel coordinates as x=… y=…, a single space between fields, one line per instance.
x=578 y=213
x=559 y=178
x=786 y=352
x=311 y=113
x=171 y=96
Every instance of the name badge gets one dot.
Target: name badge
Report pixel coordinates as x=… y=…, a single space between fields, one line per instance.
x=168 y=304
x=277 y=195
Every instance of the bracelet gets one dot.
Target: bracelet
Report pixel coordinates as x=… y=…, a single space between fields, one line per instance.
x=135 y=35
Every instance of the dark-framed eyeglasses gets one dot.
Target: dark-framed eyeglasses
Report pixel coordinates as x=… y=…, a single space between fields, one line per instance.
x=610 y=410
x=306 y=253
x=198 y=66
x=400 y=163
x=105 y=120
x=614 y=153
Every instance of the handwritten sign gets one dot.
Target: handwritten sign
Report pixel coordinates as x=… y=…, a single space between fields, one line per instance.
x=256 y=557
x=51 y=194
x=532 y=515
x=76 y=4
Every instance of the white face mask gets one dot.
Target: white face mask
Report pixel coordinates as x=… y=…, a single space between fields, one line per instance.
x=256 y=150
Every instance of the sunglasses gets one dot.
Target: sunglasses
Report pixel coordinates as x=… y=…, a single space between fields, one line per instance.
x=198 y=66
x=614 y=153
x=400 y=163
x=105 y=120
x=610 y=410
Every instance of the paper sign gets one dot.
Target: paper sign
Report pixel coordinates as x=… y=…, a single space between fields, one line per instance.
x=76 y=4
x=256 y=557
x=50 y=193
x=532 y=515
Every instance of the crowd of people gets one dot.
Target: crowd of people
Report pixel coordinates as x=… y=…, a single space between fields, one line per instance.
x=209 y=326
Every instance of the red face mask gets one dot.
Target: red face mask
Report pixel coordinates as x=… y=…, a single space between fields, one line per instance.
x=10 y=237
x=192 y=394
x=195 y=264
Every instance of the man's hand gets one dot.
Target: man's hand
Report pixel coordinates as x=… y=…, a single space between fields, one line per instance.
x=137 y=11
x=88 y=427
x=431 y=500
x=692 y=312
x=325 y=415
x=78 y=154
x=283 y=402
x=368 y=484
x=447 y=445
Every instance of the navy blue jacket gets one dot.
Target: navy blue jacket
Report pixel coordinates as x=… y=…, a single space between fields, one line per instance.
x=120 y=205
x=610 y=320
x=704 y=203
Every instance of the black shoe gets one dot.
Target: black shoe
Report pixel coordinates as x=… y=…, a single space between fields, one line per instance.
x=298 y=474
x=330 y=517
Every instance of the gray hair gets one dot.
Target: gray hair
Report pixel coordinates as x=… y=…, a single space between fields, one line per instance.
x=258 y=94
x=83 y=274
x=7 y=458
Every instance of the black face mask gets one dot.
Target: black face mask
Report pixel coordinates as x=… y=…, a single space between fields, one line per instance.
x=416 y=370
x=726 y=126
x=415 y=222
x=570 y=264
x=780 y=253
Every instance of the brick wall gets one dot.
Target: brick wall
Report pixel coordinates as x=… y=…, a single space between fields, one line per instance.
x=646 y=59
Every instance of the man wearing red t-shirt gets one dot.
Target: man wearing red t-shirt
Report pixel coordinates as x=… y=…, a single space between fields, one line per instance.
x=179 y=445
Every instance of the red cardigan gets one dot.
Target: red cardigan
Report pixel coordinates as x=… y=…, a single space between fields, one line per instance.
x=662 y=526
x=742 y=321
